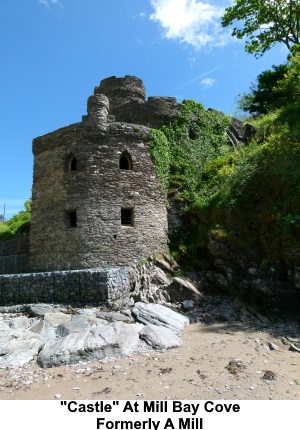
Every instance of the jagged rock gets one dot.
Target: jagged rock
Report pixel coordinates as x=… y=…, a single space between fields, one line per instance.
x=295 y=347
x=87 y=311
x=20 y=323
x=115 y=340
x=159 y=337
x=76 y=324
x=162 y=264
x=45 y=330
x=273 y=346
x=181 y=289
x=40 y=310
x=4 y=325
x=57 y=318
x=18 y=347
x=219 y=281
x=95 y=321
x=159 y=277
x=160 y=315
x=114 y=316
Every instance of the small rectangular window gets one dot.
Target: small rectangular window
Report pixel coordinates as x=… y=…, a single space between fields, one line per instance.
x=127 y=217
x=71 y=219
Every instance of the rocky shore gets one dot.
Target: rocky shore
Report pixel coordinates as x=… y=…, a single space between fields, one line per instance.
x=225 y=353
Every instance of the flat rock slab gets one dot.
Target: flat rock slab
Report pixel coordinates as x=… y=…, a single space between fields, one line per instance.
x=182 y=289
x=56 y=318
x=159 y=315
x=41 y=309
x=115 y=340
x=114 y=316
x=159 y=337
x=18 y=347
x=76 y=324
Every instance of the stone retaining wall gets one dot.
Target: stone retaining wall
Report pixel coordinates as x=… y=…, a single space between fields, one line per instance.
x=14 y=255
x=74 y=287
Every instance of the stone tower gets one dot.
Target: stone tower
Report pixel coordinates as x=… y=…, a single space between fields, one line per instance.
x=96 y=199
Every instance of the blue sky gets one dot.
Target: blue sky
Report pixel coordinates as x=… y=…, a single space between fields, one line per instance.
x=54 y=52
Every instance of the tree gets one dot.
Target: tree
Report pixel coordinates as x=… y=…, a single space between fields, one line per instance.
x=265 y=95
x=274 y=89
x=265 y=23
x=289 y=86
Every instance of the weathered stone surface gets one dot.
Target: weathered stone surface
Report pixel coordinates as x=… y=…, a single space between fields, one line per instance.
x=182 y=289
x=18 y=347
x=4 y=325
x=159 y=277
x=98 y=189
x=40 y=310
x=20 y=323
x=76 y=324
x=45 y=330
x=114 y=340
x=57 y=318
x=114 y=316
x=160 y=315
x=159 y=337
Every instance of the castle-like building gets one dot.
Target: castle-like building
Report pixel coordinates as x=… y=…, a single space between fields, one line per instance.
x=96 y=199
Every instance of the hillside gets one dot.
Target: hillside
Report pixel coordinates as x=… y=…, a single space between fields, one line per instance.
x=238 y=210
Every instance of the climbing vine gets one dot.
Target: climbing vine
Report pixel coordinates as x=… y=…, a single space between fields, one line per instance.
x=182 y=149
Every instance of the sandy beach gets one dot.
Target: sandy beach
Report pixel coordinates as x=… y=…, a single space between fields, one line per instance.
x=218 y=361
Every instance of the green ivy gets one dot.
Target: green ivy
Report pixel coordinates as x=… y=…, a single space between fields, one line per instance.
x=159 y=146
x=182 y=149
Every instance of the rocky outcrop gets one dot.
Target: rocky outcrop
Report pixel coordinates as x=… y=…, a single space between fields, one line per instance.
x=114 y=340
x=266 y=286
x=161 y=316
x=84 y=336
x=180 y=290
x=159 y=337
x=18 y=347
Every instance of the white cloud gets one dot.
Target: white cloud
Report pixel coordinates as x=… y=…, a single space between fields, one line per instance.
x=48 y=3
x=194 y=22
x=207 y=82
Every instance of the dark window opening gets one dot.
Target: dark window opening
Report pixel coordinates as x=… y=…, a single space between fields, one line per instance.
x=70 y=163
x=71 y=219
x=73 y=164
x=127 y=217
x=125 y=162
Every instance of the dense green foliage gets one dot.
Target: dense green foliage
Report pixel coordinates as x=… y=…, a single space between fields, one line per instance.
x=262 y=97
x=182 y=149
x=264 y=23
x=248 y=195
x=18 y=225
x=274 y=89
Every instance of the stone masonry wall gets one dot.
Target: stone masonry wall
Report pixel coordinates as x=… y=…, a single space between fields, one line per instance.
x=78 y=287
x=97 y=191
x=14 y=255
